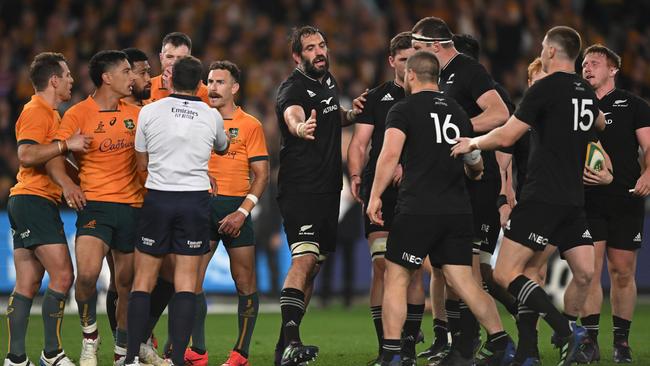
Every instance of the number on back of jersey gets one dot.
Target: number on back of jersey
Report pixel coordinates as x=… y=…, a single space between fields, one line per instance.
x=444 y=130
x=580 y=111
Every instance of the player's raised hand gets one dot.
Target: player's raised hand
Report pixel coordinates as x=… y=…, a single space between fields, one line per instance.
x=79 y=142
x=462 y=147
x=305 y=130
x=359 y=102
x=374 y=211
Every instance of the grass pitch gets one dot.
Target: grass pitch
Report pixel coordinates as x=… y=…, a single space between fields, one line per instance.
x=345 y=337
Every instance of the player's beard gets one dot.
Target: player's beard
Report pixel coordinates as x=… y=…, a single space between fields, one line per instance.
x=141 y=94
x=311 y=70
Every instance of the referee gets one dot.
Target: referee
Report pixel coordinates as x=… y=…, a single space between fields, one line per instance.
x=174 y=139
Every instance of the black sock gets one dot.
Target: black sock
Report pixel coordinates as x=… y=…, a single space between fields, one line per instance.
x=440 y=331
x=591 y=323
x=501 y=295
x=453 y=320
x=497 y=341
x=292 y=305
x=111 y=306
x=411 y=328
x=571 y=318
x=527 y=328
x=182 y=309
x=621 y=329
x=390 y=349
x=17 y=358
x=468 y=330
x=534 y=297
x=137 y=318
x=160 y=297
x=375 y=311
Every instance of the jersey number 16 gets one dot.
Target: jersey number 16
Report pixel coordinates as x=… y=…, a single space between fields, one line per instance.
x=443 y=131
x=580 y=111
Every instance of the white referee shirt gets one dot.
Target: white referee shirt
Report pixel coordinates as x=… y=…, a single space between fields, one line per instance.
x=179 y=133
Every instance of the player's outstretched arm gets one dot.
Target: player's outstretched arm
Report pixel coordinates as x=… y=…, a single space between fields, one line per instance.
x=357 y=156
x=299 y=126
x=495 y=112
x=500 y=137
x=391 y=150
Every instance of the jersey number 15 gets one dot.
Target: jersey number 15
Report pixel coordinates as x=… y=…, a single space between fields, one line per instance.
x=443 y=131
x=580 y=111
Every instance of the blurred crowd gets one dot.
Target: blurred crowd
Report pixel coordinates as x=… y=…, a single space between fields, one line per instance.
x=254 y=34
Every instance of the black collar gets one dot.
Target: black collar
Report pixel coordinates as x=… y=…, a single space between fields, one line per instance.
x=186 y=97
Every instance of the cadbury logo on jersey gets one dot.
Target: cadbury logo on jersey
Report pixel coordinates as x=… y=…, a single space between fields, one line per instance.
x=108 y=146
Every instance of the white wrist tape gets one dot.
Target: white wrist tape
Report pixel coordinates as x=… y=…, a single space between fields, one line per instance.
x=244 y=211
x=252 y=197
x=472 y=157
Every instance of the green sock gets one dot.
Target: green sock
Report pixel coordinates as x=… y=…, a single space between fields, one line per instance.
x=88 y=314
x=52 y=312
x=17 y=318
x=198 y=330
x=247 y=311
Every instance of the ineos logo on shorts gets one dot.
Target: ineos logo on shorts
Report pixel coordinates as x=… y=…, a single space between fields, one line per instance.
x=411 y=258
x=148 y=241
x=538 y=239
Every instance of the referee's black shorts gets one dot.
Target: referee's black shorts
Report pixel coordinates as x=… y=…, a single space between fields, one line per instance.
x=311 y=222
x=174 y=222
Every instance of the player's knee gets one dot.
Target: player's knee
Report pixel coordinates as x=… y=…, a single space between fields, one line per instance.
x=621 y=277
x=28 y=289
x=86 y=280
x=62 y=281
x=583 y=276
x=245 y=283
x=124 y=281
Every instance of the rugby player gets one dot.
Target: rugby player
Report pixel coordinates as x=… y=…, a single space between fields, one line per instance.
x=369 y=130
x=40 y=244
x=561 y=108
x=434 y=210
x=108 y=214
x=309 y=181
x=615 y=211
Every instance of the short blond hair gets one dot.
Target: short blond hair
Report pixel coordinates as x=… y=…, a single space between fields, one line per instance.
x=534 y=67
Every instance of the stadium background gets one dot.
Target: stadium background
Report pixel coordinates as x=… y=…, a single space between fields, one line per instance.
x=254 y=35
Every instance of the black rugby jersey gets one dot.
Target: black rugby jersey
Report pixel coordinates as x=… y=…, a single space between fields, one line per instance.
x=310 y=166
x=562 y=109
x=433 y=181
x=378 y=102
x=624 y=114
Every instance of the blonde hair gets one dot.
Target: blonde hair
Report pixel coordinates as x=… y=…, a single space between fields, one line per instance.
x=534 y=67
